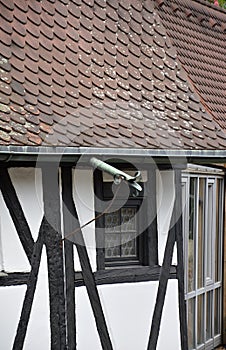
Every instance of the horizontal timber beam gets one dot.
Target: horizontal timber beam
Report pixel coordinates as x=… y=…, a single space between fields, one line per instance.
x=111 y=276
x=126 y=275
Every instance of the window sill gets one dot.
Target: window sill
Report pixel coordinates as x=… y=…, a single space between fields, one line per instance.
x=126 y=275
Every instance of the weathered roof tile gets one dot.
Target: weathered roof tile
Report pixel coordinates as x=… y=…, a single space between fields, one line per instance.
x=115 y=58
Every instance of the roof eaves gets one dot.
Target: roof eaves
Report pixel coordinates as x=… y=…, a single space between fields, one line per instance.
x=8 y=153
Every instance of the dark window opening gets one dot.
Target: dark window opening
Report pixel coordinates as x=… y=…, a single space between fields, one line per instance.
x=124 y=236
x=123 y=240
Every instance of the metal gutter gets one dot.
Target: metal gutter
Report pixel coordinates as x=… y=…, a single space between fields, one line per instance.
x=5 y=151
x=73 y=155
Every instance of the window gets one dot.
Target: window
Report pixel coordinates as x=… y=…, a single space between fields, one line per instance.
x=123 y=231
x=202 y=226
x=122 y=239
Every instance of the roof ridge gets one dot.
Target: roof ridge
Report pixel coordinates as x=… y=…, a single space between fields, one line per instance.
x=205 y=3
x=209 y=4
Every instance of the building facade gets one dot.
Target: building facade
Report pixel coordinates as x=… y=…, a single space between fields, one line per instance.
x=112 y=153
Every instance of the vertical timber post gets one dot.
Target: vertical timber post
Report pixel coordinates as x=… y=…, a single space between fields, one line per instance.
x=180 y=263
x=152 y=229
x=174 y=236
x=69 y=225
x=52 y=240
x=99 y=222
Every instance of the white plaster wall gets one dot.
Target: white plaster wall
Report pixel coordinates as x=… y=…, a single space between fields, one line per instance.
x=38 y=331
x=11 y=301
x=13 y=255
x=169 y=335
x=28 y=185
x=165 y=202
x=1 y=251
x=86 y=332
x=129 y=309
x=83 y=195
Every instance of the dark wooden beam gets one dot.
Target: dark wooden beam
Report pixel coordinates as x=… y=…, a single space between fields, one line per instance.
x=16 y=212
x=68 y=220
x=152 y=229
x=180 y=264
x=14 y=279
x=29 y=295
x=87 y=273
x=54 y=250
x=126 y=275
x=164 y=276
x=99 y=222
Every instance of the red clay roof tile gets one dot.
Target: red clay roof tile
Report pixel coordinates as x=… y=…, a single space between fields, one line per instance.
x=77 y=54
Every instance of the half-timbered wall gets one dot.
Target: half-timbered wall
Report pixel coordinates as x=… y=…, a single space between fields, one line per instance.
x=128 y=307
x=165 y=202
x=28 y=185
x=83 y=196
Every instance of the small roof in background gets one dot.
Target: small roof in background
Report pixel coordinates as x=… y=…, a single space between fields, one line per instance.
x=198 y=31
x=97 y=73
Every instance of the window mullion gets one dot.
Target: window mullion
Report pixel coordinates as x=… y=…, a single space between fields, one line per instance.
x=120 y=233
x=196 y=194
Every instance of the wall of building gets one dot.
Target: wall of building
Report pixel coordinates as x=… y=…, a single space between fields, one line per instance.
x=28 y=185
x=128 y=307
x=165 y=202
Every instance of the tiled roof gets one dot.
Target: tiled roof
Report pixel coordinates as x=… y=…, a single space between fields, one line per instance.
x=97 y=73
x=198 y=31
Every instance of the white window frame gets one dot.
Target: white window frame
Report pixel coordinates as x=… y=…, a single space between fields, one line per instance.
x=210 y=285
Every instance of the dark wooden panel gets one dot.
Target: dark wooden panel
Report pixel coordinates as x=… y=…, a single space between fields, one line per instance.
x=152 y=230
x=14 y=279
x=29 y=295
x=87 y=271
x=99 y=222
x=16 y=212
x=164 y=276
x=180 y=264
x=68 y=220
x=127 y=275
x=54 y=250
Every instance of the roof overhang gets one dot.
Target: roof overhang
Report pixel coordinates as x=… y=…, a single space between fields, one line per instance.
x=73 y=154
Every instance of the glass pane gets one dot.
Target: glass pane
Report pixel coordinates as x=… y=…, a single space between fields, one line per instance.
x=128 y=245
x=200 y=321
x=218 y=228
x=191 y=323
x=209 y=231
x=209 y=315
x=112 y=222
x=217 y=314
x=191 y=242
x=201 y=213
x=128 y=219
x=112 y=245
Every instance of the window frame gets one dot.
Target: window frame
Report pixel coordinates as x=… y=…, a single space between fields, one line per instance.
x=147 y=241
x=211 y=286
x=140 y=242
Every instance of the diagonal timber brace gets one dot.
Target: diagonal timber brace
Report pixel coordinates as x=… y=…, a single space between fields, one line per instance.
x=88 y=275
x=174 y=236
